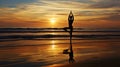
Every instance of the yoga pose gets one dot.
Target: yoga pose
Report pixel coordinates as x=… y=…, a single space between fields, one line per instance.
x=70 y=29
x=70 y=21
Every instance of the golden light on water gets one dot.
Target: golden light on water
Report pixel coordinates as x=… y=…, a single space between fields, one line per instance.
x=53 y=44
x=52 y=33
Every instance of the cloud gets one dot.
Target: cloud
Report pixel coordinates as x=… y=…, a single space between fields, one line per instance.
x=114 y=17
x=42 y=8
x=106 y=4
x=108 y=17
x=14 y=3
x=41 y=11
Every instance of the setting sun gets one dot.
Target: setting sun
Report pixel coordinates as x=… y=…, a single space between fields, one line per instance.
x=53 y=20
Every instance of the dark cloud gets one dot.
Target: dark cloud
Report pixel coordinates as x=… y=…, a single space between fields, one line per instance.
x=62 y=14
x=112 y=18
x=106 y=4
x=14 y=3
x=109 y=17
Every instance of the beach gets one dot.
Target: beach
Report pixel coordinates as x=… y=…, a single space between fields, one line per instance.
x=97 y=62
x=59 y=33
x=90 y=50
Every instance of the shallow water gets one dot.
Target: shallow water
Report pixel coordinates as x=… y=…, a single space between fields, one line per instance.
x=48 y=52
x=21 y=51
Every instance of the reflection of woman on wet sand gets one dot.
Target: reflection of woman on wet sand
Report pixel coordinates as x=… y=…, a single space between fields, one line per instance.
x=71 y=59
x=70 y=19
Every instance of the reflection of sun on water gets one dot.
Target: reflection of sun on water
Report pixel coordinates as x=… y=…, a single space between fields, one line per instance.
x=52 y=33
x=54 y=48
x=53 y=41
x=53 y=44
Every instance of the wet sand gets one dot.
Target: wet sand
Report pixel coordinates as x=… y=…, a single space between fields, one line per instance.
x=48 y=53
x=106 y=60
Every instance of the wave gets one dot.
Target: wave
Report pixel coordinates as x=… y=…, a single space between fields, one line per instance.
x=59 y=43
x=12 y=34
x=35 y=30
x=33 y=37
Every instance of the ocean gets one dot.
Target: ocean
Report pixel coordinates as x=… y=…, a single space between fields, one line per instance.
x=38 y=47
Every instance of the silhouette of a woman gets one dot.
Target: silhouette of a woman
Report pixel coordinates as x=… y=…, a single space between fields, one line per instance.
x=70 y=22
x=70 y=19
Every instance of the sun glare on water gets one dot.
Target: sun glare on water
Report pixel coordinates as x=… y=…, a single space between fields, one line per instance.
x=53 y=44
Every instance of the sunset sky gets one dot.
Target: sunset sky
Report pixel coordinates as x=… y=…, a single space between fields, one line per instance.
x=54 y=13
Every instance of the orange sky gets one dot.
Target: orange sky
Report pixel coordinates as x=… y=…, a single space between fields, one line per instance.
x=40 y=13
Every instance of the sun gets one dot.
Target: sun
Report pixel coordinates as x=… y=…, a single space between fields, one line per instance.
x=53 y=20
